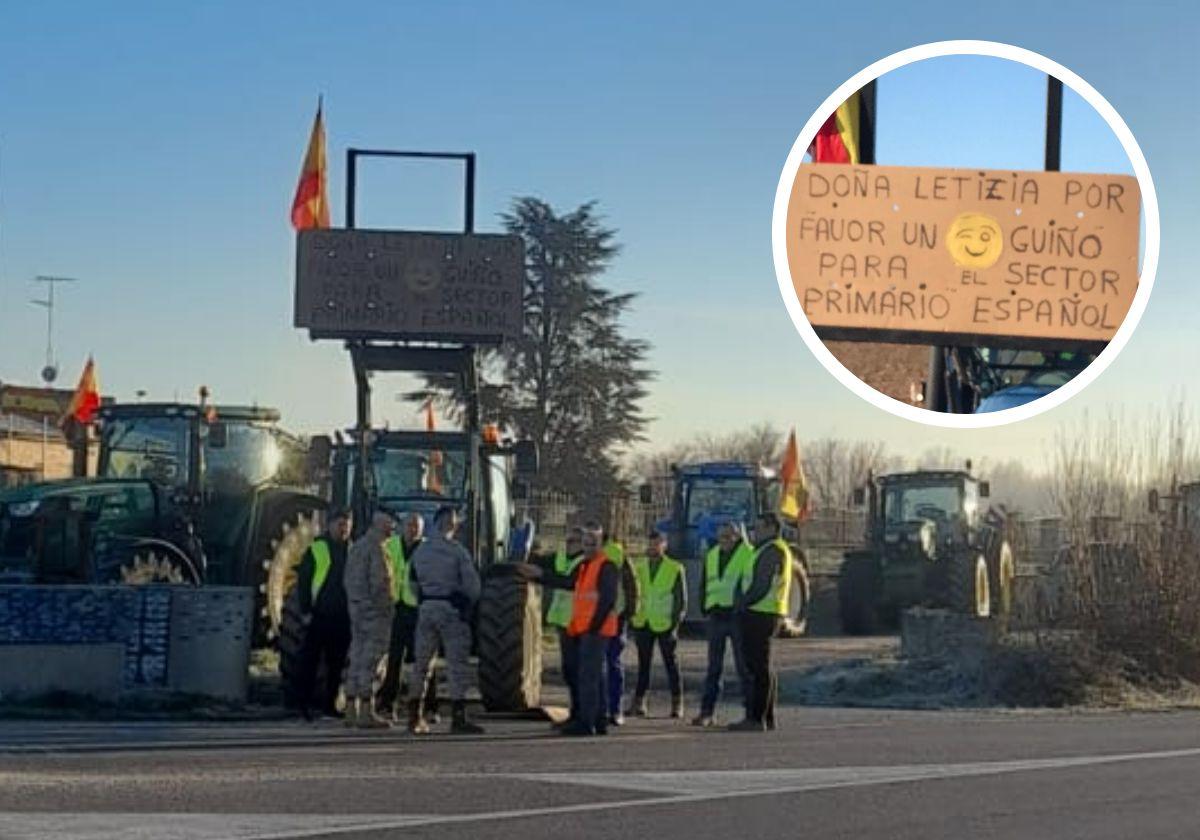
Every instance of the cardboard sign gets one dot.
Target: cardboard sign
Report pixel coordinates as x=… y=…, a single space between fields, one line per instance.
x=917 y=254
x=361 y=284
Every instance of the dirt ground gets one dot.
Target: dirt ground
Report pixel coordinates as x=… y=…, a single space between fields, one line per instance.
x=894 y=369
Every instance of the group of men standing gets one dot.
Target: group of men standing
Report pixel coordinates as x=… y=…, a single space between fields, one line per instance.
x=408 y=596
x=402 y=595
x=597 y=595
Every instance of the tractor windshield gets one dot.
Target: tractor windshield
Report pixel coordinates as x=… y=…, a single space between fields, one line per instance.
x=240 y=456
x=419 y=473
x=719 y=499
x=154 y=448
x=906 y=502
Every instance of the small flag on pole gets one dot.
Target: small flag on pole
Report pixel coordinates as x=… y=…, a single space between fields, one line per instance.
x=434 y=479
x=839 y=140
x=310 y=207
x=793 y=500
x=87 y=396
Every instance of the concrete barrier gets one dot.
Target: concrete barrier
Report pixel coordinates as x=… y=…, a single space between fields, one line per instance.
x=170 y=639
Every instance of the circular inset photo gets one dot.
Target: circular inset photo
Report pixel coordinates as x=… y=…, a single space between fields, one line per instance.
x=965 y=233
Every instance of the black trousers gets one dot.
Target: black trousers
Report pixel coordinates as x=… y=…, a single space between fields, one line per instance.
x=645 y=639
x=757 y=630
x=568 y=649
x=401 y=650
x=327 y=641
x=592 y=681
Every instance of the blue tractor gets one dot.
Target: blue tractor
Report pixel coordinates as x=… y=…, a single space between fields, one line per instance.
x=979 y=380
x=705 y=495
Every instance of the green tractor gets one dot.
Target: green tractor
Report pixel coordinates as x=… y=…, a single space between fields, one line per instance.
x=418 y=472
x=928 y=543
x=183 y=493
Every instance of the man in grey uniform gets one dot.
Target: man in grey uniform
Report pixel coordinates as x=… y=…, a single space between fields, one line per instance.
x=447 y=587
x=369 y=596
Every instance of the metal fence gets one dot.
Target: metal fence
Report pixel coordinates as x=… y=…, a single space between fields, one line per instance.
x=627 y=518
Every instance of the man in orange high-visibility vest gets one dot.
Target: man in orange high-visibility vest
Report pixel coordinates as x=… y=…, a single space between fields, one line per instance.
x=594 y=624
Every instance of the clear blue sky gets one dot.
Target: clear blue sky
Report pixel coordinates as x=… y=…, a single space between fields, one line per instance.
x=153 y=154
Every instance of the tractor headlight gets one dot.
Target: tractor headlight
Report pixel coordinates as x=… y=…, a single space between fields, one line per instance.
x=22 y=509
x=928 y=541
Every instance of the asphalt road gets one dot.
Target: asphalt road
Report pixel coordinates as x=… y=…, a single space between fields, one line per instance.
x=826 y=773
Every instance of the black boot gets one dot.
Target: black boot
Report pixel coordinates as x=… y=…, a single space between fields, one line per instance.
x=459 y=725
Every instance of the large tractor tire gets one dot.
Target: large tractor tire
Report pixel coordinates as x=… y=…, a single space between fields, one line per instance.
x=965 y=584
x=1002 y=580
x=284 y=533
x=290 y=640
x=509 y=641
x=858 y=594
x=795 y=623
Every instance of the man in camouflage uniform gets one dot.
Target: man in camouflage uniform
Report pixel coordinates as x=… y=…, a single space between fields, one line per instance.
x=369 y=594
x=447 y=586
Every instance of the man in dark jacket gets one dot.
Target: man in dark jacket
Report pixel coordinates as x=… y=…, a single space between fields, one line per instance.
x=721 y=574
x=557 y=576
x=322 y=595
x=594 y=624
x=627 y=606
x=761 y=603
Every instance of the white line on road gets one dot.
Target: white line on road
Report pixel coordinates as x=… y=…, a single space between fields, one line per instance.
x=675 y=787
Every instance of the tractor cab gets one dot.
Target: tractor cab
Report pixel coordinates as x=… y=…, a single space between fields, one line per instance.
x=210 y=464
x=184 y=493
x=419 y=472
x=707 y=495
x=926 y=508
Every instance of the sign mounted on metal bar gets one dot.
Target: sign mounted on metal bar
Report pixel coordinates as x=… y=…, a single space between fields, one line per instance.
x=408 y=286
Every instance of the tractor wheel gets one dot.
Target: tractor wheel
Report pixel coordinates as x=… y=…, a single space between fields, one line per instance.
x=509 y=641
x=1002 y=574
x=292 y=631
x=286 y=533
x=965 y=585
x=795 y=623
x=858 y=594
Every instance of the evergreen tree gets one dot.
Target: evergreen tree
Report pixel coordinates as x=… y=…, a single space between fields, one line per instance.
x=574 y=382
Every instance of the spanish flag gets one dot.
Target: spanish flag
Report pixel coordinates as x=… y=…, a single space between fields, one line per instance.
x=793 y=500
x=310 y=208
x=87 y=397
x=840 y=138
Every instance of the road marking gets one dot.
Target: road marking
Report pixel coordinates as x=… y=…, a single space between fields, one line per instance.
x=671 y=787
x=106 y=826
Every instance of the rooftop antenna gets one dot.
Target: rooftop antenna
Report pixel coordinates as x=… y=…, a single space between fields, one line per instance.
x=50 y=371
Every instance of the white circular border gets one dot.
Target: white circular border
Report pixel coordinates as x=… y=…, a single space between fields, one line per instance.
x=792 y=301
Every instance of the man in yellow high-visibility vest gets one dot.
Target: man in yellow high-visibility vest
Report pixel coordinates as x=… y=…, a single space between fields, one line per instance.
x=722 y=570
x=322 y=596
x=662 y=604
x=399 y=549
x=761 y=604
